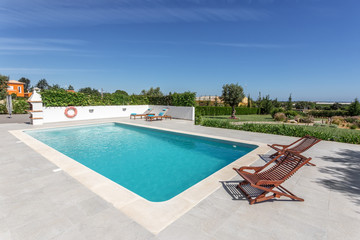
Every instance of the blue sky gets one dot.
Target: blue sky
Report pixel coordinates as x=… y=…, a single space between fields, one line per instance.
x=310 y=48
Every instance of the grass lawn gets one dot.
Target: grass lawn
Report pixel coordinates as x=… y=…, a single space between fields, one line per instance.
x=244 y=118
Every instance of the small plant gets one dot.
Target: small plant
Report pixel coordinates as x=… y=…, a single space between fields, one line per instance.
x=353 y=126
x=280 y=117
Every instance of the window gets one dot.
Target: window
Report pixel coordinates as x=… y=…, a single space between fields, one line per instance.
x=19 y=89
x=11 y=87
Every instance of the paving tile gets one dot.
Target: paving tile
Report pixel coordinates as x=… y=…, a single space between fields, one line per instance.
x=36 y=203
x=42 y=229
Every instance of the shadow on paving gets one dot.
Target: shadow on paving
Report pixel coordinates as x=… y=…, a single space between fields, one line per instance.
x=15 y=118
x=344 y=176
x=236 y=194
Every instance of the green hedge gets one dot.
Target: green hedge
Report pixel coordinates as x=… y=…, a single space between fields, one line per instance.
x=216 y=111
x=325 y=133
x=327 y=113
x=59 y=97
x=62 y=98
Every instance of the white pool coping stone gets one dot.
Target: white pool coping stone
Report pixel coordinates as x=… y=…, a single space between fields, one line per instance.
x=154 y=216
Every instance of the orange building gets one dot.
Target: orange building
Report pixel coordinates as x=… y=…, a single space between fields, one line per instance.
x=16 y=87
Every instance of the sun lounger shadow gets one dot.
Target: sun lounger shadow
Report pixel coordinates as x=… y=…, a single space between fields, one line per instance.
x=231 y=188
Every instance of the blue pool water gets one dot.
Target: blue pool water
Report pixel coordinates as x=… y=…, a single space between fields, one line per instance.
x=157 y=165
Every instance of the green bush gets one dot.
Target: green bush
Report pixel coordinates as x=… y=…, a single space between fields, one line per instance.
x=333 y=126
x=20 y=106
x=325 y=133
x=3 y=109
x=216 y=111
x=353 y=126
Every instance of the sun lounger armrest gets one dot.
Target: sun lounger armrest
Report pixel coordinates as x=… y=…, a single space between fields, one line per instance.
x=256 y=169
x=268 y=182
x=277 y=145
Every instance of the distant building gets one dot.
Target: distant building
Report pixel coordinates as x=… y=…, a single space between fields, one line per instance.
x=16 y=87
x=330 y=103
x=213 y=100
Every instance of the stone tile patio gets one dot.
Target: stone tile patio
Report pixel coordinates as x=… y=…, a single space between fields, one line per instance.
x=38 y=203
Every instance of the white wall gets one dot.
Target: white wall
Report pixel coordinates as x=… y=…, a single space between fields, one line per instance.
x=57 y=114
x=187 y=113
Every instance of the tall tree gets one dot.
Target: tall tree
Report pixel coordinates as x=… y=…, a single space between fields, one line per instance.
x=354 y=108
x=121 y=92
x=55 y=87
x=289 y=103
x=27 y=83
x=3 y=86
x=70 y=87
x=232 y=94
x=42 y=84
x=90 y=91
x=267 y=105
x=152 y=92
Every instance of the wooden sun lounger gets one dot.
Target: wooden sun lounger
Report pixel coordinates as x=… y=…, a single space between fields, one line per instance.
x=162 y=115
x=147 y=112
x=269 y=178
x=299 y=146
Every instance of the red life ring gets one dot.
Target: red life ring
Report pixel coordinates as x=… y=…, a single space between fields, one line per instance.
x=67 y=112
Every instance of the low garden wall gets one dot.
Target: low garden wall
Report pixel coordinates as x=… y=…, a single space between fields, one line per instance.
x=57 y=114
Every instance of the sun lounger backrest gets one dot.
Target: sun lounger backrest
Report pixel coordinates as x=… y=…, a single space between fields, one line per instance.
x=305 y=144
x=147 y=111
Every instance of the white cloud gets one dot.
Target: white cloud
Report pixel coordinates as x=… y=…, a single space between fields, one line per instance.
x=246 y=45
x=13 y=45
x=49 y=13
x=45 y=70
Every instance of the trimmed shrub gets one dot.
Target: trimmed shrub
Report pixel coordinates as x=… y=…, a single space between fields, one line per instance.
x=280 y=117
x=198 y=118
x=3 y=109
x=216 y=111
x=353 y=126
x=60 y=97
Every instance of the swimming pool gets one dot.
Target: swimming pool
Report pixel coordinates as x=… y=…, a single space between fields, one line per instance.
x=157 y=165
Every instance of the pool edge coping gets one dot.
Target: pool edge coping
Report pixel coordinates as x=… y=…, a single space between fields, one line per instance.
x=153 y=216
